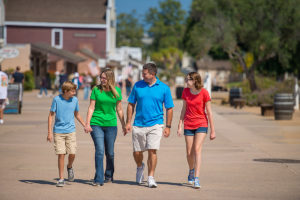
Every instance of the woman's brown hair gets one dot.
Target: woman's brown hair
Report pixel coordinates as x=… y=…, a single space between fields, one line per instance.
x=110 y=76
x=197 y=78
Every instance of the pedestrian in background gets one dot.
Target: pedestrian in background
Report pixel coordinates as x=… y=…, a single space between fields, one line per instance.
x=3 y=93
x=128 y=84
x=56 y=83
x=17 y=76
x=76 y=81
x=87 y=81
x=63 y=77
x=43 y=87
x=195 y=100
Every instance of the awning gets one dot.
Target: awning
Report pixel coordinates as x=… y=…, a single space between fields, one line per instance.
x=67 y=55
x=90 y=54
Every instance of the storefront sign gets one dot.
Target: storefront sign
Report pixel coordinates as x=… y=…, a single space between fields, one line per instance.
x=9 y=52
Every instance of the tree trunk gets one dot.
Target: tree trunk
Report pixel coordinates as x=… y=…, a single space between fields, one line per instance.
x=250 y=72
x=251 y=78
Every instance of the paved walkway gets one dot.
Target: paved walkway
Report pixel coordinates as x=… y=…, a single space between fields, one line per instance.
x=252 y=158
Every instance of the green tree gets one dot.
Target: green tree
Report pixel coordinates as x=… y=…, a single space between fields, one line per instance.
x=168 y=59
x=129 y=31
x=263 y=28
x=166 y=24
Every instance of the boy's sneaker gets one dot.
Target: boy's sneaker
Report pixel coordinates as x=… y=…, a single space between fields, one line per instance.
x=140 y=174
x=197 y=183
x=191 y=177
x=60 y=183
x=151 y=182
x=70 y=174
x=1 y=121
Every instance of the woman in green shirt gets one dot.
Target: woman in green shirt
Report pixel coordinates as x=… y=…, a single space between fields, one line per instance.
x=101 y=121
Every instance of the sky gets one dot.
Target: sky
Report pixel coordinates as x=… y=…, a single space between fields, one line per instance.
x=142 y=6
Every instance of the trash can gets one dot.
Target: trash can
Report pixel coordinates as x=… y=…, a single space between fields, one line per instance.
x=15 y=96
x=283 y=106
x=234 y=93
x=179 y=91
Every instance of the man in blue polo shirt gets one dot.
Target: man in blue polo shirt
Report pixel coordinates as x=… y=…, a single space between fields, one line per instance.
x=149 y=96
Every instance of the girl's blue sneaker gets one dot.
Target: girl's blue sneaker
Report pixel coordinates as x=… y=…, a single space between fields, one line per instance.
x=197 y=183
x=191 y=176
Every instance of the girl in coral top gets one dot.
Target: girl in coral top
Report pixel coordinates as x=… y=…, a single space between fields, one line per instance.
x=195 y=100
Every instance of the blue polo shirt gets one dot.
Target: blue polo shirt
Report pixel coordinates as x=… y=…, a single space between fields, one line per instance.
x=150 y=101
x=64 y=114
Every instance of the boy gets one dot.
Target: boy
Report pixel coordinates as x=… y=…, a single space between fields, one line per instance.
x=65 y=107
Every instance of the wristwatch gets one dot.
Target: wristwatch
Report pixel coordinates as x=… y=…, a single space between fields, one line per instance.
x=168 y=126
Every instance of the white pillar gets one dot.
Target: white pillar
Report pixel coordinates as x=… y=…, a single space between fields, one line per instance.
x=207 y=83
x=296 y=94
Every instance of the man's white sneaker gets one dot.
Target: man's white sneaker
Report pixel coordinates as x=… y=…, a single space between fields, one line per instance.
x=1 y=121
x=140 y=174
x=151 y=182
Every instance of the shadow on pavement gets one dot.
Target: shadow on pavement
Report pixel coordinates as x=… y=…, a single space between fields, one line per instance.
x=124 y=182
x=42 y=182
x=277 y=160
x=87 y=182
x=175 y=184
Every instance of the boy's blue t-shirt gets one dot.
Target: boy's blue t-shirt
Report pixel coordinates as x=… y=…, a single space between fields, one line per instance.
x=64 y=114
x=150 y=101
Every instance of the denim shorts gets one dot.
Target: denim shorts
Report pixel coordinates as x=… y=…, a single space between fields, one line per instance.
x=192 y=132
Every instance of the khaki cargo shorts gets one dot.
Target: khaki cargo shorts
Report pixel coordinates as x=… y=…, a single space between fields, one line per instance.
x=144 y=138
x=65 y=143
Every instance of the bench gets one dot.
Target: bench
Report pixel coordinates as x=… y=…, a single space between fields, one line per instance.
x=238 y=102
x=267 y=109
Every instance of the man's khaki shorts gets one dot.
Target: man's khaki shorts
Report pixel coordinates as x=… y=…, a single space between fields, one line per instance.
x=65 y=143
x=144 y=138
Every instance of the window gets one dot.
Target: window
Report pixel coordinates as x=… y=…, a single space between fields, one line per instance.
x=57 y=38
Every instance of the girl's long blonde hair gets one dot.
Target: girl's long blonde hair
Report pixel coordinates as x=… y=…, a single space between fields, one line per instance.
x=110 y=76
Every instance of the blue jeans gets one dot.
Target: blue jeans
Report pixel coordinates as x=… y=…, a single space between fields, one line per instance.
x=86 y=91
x=43 y=89
x=128 y=91
x=104 y=139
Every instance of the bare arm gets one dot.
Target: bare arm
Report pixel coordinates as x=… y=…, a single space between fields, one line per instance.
x=210 y=119
x=79 y=118
x=89 y=115
x=50 y=133
x=130 y=110
x=168 y=121
x=183 y=109
x=119 y=109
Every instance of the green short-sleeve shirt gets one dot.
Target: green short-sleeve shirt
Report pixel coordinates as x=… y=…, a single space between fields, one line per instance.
x=105 y=107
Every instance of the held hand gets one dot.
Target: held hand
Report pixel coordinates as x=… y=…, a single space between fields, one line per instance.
x=50 y=137
x=212 y=135
x=128 y=128
x=124 y=130
x=167 y=132
x=88 y=129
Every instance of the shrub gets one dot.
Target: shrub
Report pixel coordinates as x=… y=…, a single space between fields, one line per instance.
x=268 y=88
x=29 y=83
